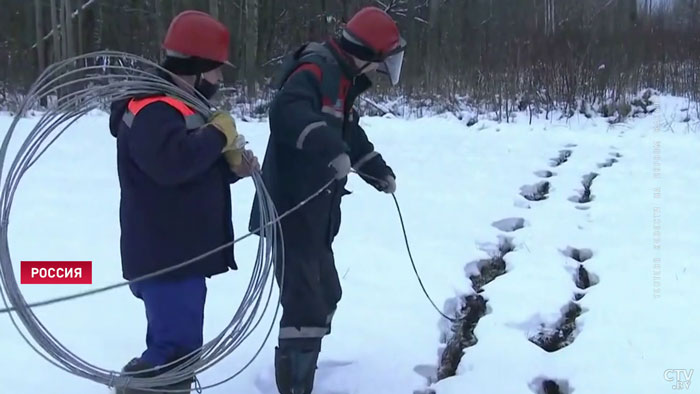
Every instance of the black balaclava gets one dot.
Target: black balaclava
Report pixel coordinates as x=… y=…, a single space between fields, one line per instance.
x=194 y=66
x=206 y=88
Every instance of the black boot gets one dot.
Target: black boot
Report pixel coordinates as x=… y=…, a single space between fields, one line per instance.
x=136 y=365
x=185 y=385
x=295 y=370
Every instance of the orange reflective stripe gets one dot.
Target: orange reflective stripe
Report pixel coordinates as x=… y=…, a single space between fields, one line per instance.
x=137 y=105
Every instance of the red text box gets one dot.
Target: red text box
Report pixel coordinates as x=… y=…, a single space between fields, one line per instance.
x=56 y=272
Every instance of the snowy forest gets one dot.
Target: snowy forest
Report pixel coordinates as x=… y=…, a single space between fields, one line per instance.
x=504 y=54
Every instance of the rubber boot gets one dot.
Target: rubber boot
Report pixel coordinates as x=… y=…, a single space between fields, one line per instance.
x=295 y=370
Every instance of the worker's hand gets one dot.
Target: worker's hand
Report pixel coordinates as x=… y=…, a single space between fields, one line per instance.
x=341 y=165
x=388 y=185
x=234 y=154
x=247 y=166
x=223 y=122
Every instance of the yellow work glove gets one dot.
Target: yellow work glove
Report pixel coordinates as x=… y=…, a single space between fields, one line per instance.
x=223 y=122
x=234 y=158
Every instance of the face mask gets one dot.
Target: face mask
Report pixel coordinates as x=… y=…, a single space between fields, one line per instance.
x=206 y=88
x=391 y=66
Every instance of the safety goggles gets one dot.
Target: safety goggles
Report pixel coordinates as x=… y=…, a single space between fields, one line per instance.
x=390 y=63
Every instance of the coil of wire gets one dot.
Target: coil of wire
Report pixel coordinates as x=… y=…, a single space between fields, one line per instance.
x=89 y=81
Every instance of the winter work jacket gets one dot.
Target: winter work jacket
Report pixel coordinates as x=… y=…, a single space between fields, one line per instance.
x=311 y=123
x=175 y=189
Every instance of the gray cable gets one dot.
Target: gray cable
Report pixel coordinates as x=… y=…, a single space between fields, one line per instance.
x=89 y=87
x=408 y=246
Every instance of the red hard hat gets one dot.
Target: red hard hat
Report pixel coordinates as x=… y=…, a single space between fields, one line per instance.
x=376 y=29
x=196 y=33
x=372 y=35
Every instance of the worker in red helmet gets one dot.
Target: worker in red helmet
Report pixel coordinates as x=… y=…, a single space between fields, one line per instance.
x=315 y=140
x=175 y=170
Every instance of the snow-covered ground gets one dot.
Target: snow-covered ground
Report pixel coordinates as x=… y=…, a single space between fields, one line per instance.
x=637 y=320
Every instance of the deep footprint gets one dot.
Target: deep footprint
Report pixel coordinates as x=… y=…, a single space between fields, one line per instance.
x=510 y=224
x=563 y=158
x=489 y=269
x=545 y=174
x=473 y=309
x=586 y=195
x=563 y=334
x=550 y=386
x=580 y=255
x=492 y=268
x=608 y=163
x=463 y=335
x=585 y=279
x=536 y=192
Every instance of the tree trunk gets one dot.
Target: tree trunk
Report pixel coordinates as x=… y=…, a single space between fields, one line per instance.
x=214 y=8
x=64 y=34
x=346 y=11
x=160 y=29
x=410 y=68
x=70 y=36
x=251 y=45
x=550 y=18
x=56 y=37
x=432 y=46
x=99 y=27
x=145 y=43
x=39 y=27
x=323 y=19
x=264 y=27
x=80 y=33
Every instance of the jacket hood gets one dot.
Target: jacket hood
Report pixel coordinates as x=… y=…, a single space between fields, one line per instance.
x=117 y=110
x=348 y=66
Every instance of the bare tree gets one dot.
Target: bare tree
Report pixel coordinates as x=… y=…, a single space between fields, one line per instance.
x=251 y=44
x=214 y=8
x=160 y=29
x=535 y=54
x=98 y=29
x=550 y=21
x=68 y=36
x=54 y=32
x=39 y=29
x=81 y=45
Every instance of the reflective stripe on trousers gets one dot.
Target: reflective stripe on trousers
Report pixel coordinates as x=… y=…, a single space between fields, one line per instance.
x=306 y=332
